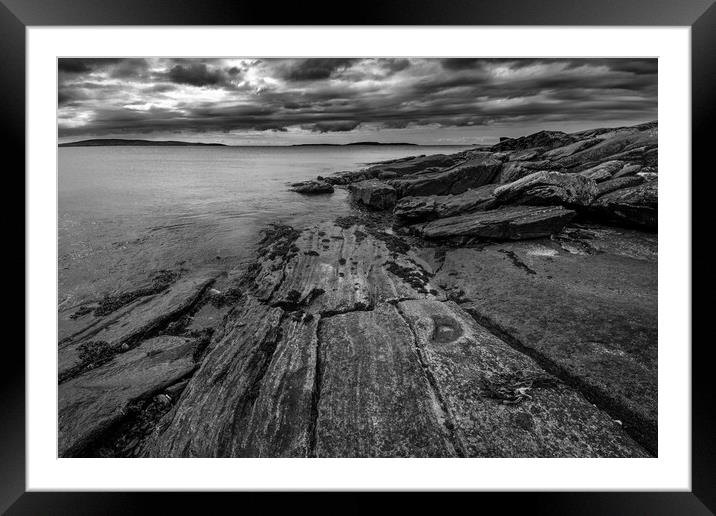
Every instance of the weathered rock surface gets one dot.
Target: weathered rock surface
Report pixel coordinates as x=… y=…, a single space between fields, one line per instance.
x=515 y=170
x=618 y=183
x=339 y=358
x=501 y=403
x=471 y=174
x=312 y=187
x=633 y=206
x=548 y=188
x=375 y=400
x=509 y=223
x=547 y=139
x=603 y=171
x=90 y=403
x=374 y=194
x=584 y=305
x=130 y=324
x=415 y=209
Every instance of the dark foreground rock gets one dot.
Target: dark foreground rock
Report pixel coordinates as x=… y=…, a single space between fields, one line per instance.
x=374 y=194
x=123 y=328
x=312 y=187
x=91 y=403
x=345 y=347
x=511 y=223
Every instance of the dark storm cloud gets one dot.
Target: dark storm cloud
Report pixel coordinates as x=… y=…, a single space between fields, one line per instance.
x=315 y=69
x=123 y=96
x=196 y=75
x=338 y=126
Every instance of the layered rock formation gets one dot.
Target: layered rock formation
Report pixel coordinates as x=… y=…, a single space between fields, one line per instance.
x=491 y=303
x=593 y=172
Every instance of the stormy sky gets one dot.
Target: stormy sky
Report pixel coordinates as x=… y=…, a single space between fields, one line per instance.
x=340 y=100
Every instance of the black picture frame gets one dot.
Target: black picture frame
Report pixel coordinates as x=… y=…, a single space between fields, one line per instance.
x=700 y=15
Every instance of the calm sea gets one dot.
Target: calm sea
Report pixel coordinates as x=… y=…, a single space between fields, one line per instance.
x=125 y=212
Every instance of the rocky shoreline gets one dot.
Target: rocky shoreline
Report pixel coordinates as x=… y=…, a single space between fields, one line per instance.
x=498 y=302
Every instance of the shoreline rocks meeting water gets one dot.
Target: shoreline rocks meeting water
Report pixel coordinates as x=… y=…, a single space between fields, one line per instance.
x=496 y=302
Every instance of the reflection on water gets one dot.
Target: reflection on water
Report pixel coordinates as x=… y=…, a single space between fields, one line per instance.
x=126 y=211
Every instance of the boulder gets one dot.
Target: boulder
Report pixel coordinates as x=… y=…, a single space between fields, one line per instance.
x=415 y=164
x=312 y=187
x=635 y=206
x=514 y=170
x=416 y=209
x=509 y=223
x=618 y=183
x=471 y=174
x=603 y=171
x=548 y=188
x=374 y=194
x=628 y=170
x=632 y=146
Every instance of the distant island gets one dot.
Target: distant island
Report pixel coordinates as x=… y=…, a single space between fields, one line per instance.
x=347 y=144
x=101 y=142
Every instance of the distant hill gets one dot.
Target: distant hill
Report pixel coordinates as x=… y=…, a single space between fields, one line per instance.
x=115 y=142
x=347 y=144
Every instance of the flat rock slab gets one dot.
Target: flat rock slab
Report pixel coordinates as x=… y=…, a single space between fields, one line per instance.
x=130 y=323
x=212 y=417
x=509 y=223
x=375 y=399
x=585 y=306
x=335 y=269
x=254 y=392
x=93 y=401
x=501 y=403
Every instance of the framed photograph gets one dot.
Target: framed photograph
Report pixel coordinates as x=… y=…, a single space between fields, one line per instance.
x=447 y=249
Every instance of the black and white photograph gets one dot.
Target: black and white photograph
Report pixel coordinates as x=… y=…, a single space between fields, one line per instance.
x=357 y=257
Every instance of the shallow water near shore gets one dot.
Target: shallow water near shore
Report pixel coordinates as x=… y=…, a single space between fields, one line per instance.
x=124 y=212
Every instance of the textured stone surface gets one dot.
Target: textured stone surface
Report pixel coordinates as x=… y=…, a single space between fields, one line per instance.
x=375 y=399
x=134 y=321
x=585 y=304
x=618 y=183
x=414 y=209
x=548 y=188
x=93 y=401
x=312 y=187
x=500 y=402
x=633 y=206
x=509 y=223
x=374 y=194
x=471 y=174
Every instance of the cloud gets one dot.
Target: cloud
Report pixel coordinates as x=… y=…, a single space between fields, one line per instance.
x=197 y=74
x=340 y=95
x=337 y=127
x=315 y=69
